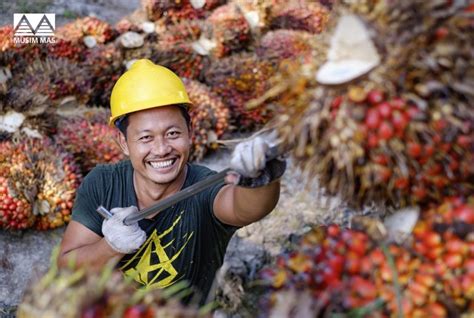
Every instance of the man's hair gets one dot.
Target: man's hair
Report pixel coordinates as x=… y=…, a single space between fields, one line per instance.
x=122 y=122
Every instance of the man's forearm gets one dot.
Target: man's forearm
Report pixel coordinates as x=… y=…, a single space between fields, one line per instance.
x=94 y=255
x=252 y=204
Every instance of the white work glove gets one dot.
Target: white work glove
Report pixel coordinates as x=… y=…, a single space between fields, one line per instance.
x=123 y=238
x=249 y=161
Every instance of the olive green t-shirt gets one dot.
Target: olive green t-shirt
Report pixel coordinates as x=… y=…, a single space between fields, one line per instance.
x=184 y=242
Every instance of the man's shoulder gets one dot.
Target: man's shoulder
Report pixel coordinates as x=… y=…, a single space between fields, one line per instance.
x=198 y=172
x=108 y=172
x=111 y=168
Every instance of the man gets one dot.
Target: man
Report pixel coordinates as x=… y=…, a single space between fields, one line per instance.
x=187 y=241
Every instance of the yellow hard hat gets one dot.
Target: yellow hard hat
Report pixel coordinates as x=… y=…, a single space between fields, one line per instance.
x=146 y=85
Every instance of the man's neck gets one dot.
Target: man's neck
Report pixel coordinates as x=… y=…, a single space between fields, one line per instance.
x=149 y=193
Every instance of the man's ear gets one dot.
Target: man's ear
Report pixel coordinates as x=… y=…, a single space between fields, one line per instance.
x=122 y=143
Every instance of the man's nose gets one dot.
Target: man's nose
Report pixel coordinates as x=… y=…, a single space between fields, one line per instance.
x=161 y=147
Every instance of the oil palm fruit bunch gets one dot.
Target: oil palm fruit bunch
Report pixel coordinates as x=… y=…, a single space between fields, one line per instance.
x=23 y=99
x=228 y=30
x=209 y=118
x=181 y=59
x=174 y=11
x=376 y=120
x=91 y=142
x=15 y=197
x=68 y=49
x=89 y=26
x=60 y=178
x=87 y=294
x=335 y=270
x=238 y=79
x=126 y=25
x=176 y=50
x=6 y=37
x=185 y=31
x=104 y=64
x=55 y=78
x=285 y=44
x=15 y=54
x=305 y=15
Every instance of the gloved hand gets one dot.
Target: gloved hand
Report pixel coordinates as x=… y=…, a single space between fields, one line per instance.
x=123 y=238
x=249 y=161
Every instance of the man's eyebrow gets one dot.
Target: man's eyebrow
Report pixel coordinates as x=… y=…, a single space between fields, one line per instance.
x=140 y=131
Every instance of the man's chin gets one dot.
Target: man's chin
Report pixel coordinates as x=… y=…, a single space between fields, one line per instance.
x=159 y=177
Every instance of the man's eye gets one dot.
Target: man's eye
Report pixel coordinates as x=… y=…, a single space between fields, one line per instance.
x=145 y=138
x=173 y=133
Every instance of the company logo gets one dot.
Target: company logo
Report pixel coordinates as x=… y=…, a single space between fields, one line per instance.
x=34 y=27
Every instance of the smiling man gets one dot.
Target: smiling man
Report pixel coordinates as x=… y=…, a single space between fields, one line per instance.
x=149 y=106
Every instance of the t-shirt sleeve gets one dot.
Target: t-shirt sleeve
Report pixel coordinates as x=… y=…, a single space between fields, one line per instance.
x=86 y=202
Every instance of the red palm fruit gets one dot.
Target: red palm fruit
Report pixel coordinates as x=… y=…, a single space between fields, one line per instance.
x=373 y=140
x=434 y=253
x=398 y=103
x=385 y=131
x=375 y=96
x=336 y=262
x=453 y=260
x=352 y=264
x=457 y=246
x=333 y=230
x=384 y=110
x=464 y=213
x=363 y=287
x=419 y=192
x=372 y=119
x=467 y=285
x=424 y=279
x=400 y=121
x=401 y=183
x=469 y=266
x=436 y=310
x=414 y=149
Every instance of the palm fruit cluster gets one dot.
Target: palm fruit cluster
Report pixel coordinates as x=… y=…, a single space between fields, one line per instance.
x=209 y=118
x=399 y=132
x=15 y=208
x=228 y=29
x=284 y=44
x=90 y=140
x=173 y=11
x=81 y=293
x=54 y=78
x=105 y=65
x=238 y=79
x=38 y=185
x=89 y=26
x=308 y=16
x=338 y=270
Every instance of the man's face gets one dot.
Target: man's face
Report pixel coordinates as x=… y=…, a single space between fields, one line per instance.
x=158 y=143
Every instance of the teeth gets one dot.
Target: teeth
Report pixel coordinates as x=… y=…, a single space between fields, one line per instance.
x=161 y=164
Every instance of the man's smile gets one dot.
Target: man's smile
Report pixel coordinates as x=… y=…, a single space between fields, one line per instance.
x=162 y=164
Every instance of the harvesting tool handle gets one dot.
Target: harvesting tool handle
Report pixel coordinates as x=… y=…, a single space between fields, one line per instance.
x=272 y=153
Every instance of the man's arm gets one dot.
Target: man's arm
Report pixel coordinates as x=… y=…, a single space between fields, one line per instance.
x=253 y=188
x=241 y=206
x=87 y=248
x=83 y=247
